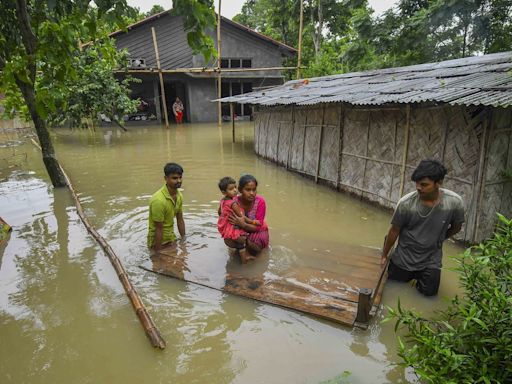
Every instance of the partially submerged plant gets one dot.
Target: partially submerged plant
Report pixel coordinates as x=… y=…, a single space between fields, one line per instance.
x=470 y=341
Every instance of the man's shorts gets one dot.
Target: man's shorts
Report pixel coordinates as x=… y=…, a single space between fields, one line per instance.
x=427 y=280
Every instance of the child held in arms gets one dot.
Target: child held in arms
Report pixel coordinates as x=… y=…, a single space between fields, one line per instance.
x=229 y=206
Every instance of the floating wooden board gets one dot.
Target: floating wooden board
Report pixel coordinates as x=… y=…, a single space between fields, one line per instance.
x=316 y=292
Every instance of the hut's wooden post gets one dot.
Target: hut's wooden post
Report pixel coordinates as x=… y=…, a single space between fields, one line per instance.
x=219 y=77
x=279 y=123
x=367 y=145
x=341 y=126
x=406 y=149
x=232 y=113
x=164 y=100
x=288 y=160
x=364 y=305
x=319 y=152
x=301 y=18
x=481 y=174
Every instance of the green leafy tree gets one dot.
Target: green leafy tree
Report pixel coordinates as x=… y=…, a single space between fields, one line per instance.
x=470 y=341
x=95 y=90
x=38 y=43
x=156 y=8
x=198 y=17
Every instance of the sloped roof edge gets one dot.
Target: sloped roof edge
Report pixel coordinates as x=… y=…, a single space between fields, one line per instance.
x=156 y=16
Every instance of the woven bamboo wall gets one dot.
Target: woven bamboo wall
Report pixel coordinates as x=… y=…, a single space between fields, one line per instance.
x=496 y=193
x=361 y=150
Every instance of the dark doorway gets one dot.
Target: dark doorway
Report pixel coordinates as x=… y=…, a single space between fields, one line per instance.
x=172 y=90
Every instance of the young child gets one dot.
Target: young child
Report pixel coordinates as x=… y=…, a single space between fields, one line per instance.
x=228 y=231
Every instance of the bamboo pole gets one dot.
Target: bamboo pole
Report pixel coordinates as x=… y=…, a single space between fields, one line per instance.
x=341 y=126
x=219 y=76
x=406 y=149
x=145 y=319
x=320 y=146
x=164 y=100
x=290 y=144
x=204 y=70
x=301 y=17
x=481 y=174
x=232 y=114
x=367 y=146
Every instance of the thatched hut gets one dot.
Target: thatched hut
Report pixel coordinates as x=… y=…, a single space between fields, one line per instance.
x=365 y=132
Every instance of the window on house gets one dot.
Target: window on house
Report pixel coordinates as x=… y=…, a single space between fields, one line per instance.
x=246 y=63
x=224 y=63
x=235 y=63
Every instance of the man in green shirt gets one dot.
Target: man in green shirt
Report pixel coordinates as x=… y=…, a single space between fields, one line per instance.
x=165 y=204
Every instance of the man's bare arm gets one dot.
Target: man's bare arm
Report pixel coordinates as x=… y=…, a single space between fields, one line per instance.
x=393 y=233
x=454 y=229
x=181 y=224
x=159 y=235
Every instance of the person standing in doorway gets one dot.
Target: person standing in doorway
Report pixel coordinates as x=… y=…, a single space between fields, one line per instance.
x=177 y=109
x=422 y=220
x=164 y=206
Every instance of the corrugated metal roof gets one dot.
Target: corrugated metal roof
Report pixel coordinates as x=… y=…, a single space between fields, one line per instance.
x=479 y=80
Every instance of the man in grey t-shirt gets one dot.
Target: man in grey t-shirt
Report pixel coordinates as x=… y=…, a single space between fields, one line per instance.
x=423 y=219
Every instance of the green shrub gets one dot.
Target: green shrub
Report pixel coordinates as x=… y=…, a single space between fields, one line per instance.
x=471 y=341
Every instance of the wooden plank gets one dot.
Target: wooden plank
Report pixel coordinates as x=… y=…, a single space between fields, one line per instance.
x=269 y=289
x=331 y=292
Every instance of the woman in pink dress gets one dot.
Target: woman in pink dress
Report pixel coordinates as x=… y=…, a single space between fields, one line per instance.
x=233 y=236
x=254 y=209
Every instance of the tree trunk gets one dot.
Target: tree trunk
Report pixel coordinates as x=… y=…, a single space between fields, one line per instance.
x=317 y=29
x=49 y=158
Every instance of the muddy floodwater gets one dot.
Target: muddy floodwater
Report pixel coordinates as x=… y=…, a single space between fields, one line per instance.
x=64 y=316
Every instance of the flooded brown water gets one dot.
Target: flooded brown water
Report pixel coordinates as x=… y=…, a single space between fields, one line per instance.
x=64 y=317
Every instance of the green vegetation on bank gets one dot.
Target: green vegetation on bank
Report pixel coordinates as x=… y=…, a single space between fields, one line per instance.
x=345 y=36
x=470 y=341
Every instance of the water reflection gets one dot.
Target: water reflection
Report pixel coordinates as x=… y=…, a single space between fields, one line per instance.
x=63 y=312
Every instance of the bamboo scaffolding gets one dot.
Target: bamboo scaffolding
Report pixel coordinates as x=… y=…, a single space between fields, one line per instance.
x=301 y=18
x=145 y=319
x=203 y=70
x=160 y=75
x=219 y=76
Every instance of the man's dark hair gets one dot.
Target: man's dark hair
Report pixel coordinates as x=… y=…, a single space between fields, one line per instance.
x=171 y=168
x=225 y=182
x=246 y=179
x=433 y=169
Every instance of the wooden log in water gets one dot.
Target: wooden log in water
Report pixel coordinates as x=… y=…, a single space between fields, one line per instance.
x=147 y=323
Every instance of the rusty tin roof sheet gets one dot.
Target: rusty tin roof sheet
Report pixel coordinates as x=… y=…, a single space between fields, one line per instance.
x=478 y=80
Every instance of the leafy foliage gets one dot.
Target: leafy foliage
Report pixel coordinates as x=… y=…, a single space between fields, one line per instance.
x=39 y=41
x=471 y=341
x=348 y=37
x=95 y=90
x=198 y=16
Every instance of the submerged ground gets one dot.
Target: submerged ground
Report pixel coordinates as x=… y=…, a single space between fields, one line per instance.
x=64 y=316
